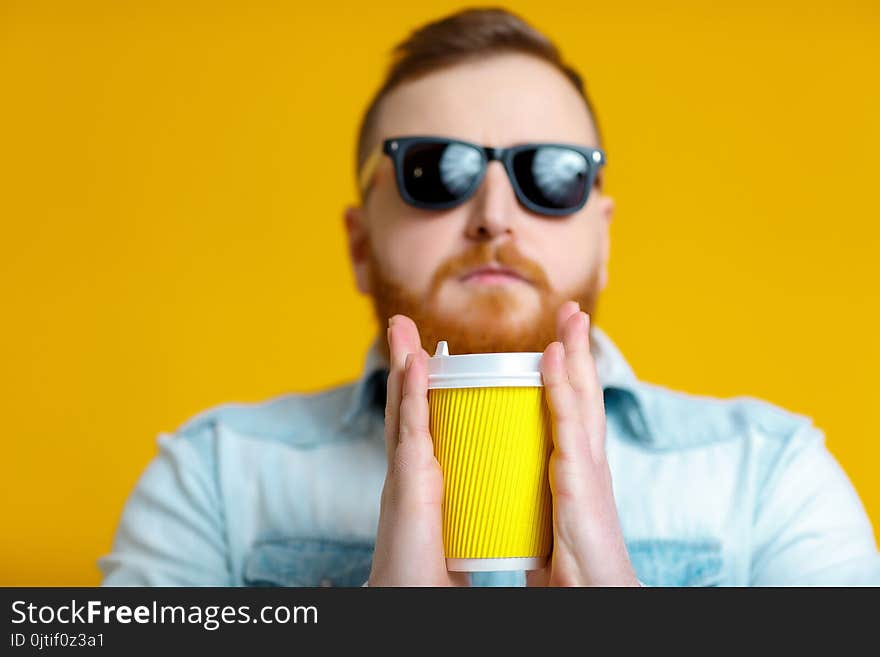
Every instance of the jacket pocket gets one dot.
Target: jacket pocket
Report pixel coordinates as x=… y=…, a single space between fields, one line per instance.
x=308 y=562
x=675 y=562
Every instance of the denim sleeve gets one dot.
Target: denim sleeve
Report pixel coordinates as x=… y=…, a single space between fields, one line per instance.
x=172 y=531
x=810 y=526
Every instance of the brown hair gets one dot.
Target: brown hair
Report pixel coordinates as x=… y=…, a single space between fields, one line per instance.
x=463 y=36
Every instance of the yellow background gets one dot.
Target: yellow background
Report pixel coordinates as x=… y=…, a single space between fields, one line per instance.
x=173 y=176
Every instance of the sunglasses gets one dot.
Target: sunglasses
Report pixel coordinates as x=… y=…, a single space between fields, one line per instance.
x=435 y=173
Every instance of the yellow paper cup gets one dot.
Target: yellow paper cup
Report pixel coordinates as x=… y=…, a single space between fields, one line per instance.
x=492 y=436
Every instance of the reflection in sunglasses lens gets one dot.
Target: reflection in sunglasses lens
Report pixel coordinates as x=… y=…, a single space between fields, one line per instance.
x=551 y=176
x=439 y=172
x=459 y=166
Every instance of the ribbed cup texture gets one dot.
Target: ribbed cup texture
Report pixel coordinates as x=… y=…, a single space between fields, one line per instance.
x=493 y=445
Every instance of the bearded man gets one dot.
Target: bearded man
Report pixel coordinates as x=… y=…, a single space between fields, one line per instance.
x=483 y=222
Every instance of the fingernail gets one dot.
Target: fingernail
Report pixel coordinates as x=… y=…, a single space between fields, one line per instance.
x=390 y=321
x=407 y=362
x=586 y=321
x=560 y=353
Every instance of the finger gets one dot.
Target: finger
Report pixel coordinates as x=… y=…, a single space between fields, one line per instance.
x=415 y=434
x=565 y=311
x=579 y=363
x=403 y=338
x=562 y=401
x=582 y=377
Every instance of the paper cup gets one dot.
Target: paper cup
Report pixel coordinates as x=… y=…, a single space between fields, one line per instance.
x=492 y=436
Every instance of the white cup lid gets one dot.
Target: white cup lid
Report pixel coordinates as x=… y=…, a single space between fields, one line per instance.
x=483 y=370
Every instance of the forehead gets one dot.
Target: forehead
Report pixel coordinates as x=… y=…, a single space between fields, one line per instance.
x=497 y=101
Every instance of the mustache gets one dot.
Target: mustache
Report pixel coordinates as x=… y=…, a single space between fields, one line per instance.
x=505 y=255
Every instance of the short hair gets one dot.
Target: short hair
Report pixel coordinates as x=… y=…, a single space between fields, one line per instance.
x=460 y=37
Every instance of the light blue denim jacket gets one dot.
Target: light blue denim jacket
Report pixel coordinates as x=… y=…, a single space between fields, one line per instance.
x=286 y=492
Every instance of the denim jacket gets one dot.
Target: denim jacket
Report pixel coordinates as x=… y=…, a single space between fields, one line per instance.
x=729 y=492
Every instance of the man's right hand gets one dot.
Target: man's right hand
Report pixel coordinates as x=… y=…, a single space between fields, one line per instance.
x=409 y=540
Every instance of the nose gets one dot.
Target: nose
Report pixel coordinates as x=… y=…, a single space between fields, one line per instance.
x=493 y=207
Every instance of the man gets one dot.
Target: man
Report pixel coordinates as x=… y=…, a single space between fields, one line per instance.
x=484 y=223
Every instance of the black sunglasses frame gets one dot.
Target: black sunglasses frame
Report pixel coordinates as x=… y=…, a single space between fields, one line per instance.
x=396 y=148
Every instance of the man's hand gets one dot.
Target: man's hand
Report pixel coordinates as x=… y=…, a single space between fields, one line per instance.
x=409 y=540
x=588 y=545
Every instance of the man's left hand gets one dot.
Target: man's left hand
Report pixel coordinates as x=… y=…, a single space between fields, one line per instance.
x=588 y=545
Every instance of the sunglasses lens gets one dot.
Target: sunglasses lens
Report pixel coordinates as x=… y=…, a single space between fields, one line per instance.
x=552 y=177
x=440 y=173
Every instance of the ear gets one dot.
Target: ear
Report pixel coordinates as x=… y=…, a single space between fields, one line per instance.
x=358 y=243
x=606 y=211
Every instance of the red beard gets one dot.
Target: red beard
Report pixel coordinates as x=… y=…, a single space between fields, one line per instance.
x=482 y=330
